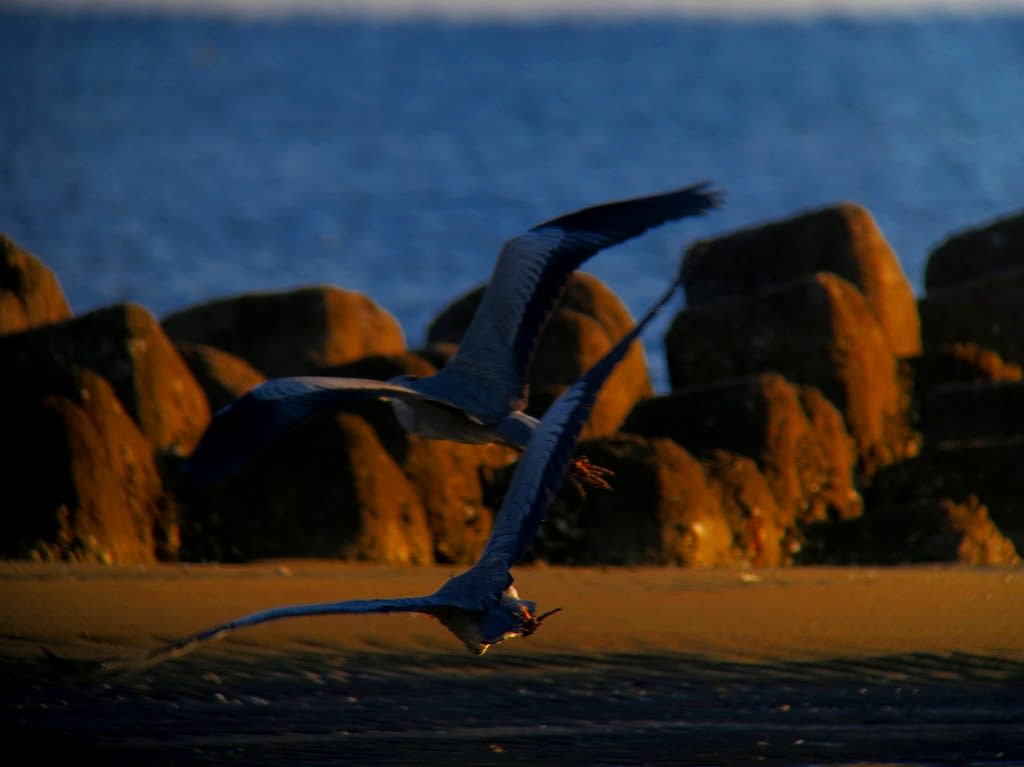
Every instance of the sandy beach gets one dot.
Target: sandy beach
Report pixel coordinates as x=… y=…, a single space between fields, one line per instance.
x=797 y=666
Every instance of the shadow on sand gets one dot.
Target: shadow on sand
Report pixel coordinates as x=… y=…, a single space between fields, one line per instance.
x=247 y=706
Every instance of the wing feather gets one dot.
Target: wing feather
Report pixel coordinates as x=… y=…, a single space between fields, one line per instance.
x=244 y=428
x=528 y=280
x=549 y=452
x=182 y=646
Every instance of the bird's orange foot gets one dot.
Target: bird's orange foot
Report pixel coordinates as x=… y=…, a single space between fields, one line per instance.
x=586 y=473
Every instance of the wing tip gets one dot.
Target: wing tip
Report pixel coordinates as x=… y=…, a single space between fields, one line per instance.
x=714 y=196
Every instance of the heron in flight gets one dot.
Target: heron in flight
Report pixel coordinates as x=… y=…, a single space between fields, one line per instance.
x=479 y=395
x=481 y=605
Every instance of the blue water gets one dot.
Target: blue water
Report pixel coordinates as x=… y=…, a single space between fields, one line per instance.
x=170 y=160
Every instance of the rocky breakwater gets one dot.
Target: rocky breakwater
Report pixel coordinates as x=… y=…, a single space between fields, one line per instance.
x=819 y=412
x=799 y=366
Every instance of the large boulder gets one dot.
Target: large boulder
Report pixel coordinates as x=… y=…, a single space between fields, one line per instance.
x=291 y=332
x=573 y=343
x=587 y=322
x=448 y=477
x=326 y=489
x=125 y=344
x=222 y=376
x=987 y=469
x=955 y=370
x=795 y=436
x=659 y=512
x=79 y=478
x=974 y=284
x=985 y=312
x=834 y=493
x=922 y=531
x=976 y=253
x=973 y=411
x=843 y=239
x=30 y=293
x=959 y=363
x=382 y=367
x=815 y=330
x=750 y=509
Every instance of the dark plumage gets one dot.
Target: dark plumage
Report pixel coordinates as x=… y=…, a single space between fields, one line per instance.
x=480 y=606
x=480 y=394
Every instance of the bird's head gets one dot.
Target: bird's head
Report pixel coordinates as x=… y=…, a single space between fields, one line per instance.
x=511 y=617
x=507 y=618
x=520 y=623
x=531 y=622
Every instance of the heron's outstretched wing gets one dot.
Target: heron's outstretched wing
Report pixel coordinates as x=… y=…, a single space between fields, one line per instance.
x=543 y=466
x=529 y=278
x=425 y=604
x=242 y=429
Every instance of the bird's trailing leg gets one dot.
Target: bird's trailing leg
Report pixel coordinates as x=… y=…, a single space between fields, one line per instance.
x=586 y=473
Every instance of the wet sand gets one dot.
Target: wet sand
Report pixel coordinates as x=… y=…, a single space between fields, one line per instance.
x=644 y=666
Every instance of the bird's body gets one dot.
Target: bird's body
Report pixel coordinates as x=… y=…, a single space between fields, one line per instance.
x=481 y=605
x=480 y=394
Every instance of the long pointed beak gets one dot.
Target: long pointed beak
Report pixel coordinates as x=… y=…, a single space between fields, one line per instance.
x=548 y=614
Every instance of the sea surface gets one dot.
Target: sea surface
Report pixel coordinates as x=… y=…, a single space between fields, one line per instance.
x=169 y=159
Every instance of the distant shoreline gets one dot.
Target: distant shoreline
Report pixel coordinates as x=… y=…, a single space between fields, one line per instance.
x=532 y=9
